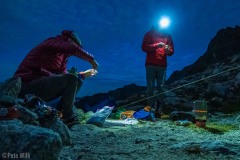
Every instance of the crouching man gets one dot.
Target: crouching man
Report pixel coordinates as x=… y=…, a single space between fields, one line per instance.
x=44 y=72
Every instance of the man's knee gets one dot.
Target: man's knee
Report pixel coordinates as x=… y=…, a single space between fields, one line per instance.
x=71 y=78
x=74 y=80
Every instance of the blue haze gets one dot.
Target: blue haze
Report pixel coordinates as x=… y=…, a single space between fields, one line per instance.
x=112 y=30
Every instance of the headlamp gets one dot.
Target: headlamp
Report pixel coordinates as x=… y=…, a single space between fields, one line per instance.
x=164 y=22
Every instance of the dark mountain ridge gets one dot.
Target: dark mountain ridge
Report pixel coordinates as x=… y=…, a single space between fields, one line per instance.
x=225 y=44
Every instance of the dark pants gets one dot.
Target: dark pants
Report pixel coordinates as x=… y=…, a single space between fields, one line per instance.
x=64 y=86
x=155 y=74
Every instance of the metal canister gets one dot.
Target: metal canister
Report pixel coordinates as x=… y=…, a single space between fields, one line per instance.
x=200 y=112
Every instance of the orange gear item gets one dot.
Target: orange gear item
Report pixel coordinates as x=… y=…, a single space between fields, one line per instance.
x=127 y=114
x=147 y=108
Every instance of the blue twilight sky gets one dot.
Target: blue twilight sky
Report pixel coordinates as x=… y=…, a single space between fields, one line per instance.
x=112 y=30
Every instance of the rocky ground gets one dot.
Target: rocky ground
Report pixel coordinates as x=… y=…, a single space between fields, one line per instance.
x=155 y=140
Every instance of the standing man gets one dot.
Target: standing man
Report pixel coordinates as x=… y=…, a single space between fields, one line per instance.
x=44 y=72
x=157 y=45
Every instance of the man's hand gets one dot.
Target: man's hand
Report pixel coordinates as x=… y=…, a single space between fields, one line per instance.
x=161 y=44
x=94 y=64
x=88 y=73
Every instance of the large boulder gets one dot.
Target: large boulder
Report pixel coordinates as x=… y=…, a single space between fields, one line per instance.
x=59 y=127
x=10 y=87
x=29 y=134
x=37 y=142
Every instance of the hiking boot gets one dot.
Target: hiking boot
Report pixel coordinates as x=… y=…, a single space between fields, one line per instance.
x=152 y=117
x=71 y=121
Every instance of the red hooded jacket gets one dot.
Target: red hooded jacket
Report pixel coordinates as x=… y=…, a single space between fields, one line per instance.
x=156 y=55
x=50 y=57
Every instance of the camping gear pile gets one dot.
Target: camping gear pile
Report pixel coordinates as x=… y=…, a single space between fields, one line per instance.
x=11 y=106
x=44 y=112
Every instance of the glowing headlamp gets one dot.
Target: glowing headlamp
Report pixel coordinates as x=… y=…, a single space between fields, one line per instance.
x=164 y=22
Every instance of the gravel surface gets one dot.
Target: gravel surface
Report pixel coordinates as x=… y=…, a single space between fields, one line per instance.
x=154 y=141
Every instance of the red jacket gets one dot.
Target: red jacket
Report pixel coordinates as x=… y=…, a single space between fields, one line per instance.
x=50 y=57
x=156 y=55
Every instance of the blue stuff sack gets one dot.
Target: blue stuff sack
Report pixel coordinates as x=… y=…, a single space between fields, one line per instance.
x=144 y=115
